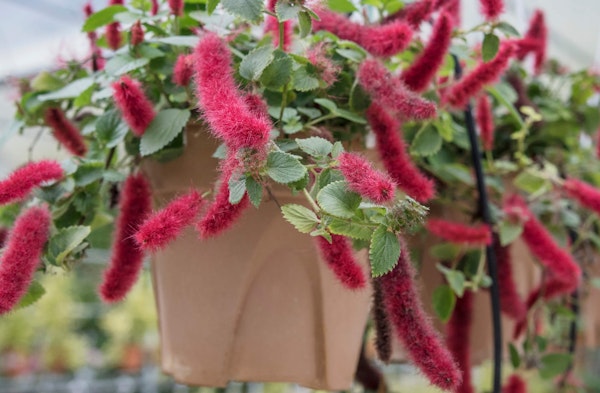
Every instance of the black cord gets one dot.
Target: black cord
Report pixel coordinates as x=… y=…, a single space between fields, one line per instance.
x=484 y=210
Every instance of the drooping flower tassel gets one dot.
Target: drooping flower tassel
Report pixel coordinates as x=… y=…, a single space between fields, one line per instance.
x=491 y=9
x=127 y=256
x=424 y=346
x=22 y=181
x=515 y=384
x=363 y=179
x=340 y=259
x=65 y=132
x=392 y=94
x=511 y=303
x=3 y=236
x=165 y=225
x=452 y=7
x=272 y=26
x=136 y=34
x=383 y=328
x=414 y=13
x=183 y=71
x=418 y=76
x=460 y=233
x=458 y=333
x=176 y=7
x=397 y=162
x=154 y=8
x=112 y=31
x=584 y=193
x=485 y=122
x=21 y=255
x=135 y=107
x=485 y=73
x=535 y=40
x=223 y=105
x=327 y=69
x=384 y=40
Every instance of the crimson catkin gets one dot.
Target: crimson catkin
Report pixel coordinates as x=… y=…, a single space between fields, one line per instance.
x=460 y=233
x=491 y=9
x=485 y=122
x=535 y=40
x=112 y=31
x=176 y=7
x=183 y=70
x=339 y=257
x=65 y=132
x=366 y=181
x=414 y=13
x=135 y=107
x=458 y=333
x=511 y=303
x=22 y=181
x=586 y=194
x=136 y=34
x=383 y=329
x=515 y=384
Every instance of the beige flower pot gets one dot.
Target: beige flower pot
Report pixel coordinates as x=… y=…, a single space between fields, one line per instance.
x=255 y=304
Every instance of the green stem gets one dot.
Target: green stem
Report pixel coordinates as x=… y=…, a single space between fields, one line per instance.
x=310 y=199
x=283 y=105
x=281 y=35
x=319 y=119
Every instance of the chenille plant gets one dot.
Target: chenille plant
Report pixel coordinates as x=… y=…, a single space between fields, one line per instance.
x=294 y=90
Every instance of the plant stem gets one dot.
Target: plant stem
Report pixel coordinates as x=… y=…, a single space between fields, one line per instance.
x=310 y=199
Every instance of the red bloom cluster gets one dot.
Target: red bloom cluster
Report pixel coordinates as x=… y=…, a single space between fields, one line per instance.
x=326 y=68
x=418 y=76
x=511 y=302
x=3 y=236
x=339 y=257
x=363 y=179
x=515 y=384
x=136 y=109
x=154 y=9
x=97 y=59
x=492 y=9
x=183 y=70
x=127 y=257
x=21 y=255
x=485 y=121
x=414 y=13
x=65 y=132
x=583 y=193
x=385 y=40
x=484 y=74
x=535 y=40
x=137 y=34
x=460 y=233
x=392 y=94
x=176 y=7
x=397 y=162
x=383 y=329
x=112 y=31
x=23 y=180
x=424 y=346
x=223 y=105
x=452 y=7
x=272 y=26
x=165 y=225
x=458 y=332
x=257 y=105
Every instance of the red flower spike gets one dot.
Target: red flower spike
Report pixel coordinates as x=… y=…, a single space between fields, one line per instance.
x=165 y=225
x=154 y=9
x=22 y=254
x=339 y=257
x=113 y=35
x=65 y=132
x=515 y=384
x=485 y=122
x=136 y=109
x=452 y=7
x=136 y=34
x=424 y=346
x=459 y=233
x=127 y=257
x=535 y=40
x=220 y=100
x=384 y=40
x=584 y=193
x=183 y=71
x=363 y=179
x=257 y=106
x=417 y=12
x=418 y=76
x=458 y=332
x=383 y=329
x=397 y=162
x=3 y=236
x=491 y=9
x=22 y=181
x=87 y=9
x=391 y=93
x=484 y=74
x=511 y=304
x=326 y=68
x=272 y=26
x=176 y=7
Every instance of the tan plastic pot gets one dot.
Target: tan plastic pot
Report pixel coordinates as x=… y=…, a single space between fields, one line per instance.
x=255 y=304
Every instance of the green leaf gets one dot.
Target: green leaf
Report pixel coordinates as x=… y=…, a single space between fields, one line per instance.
x=84 y=98
x=455 y=278
x=45 y=81
x=303 y=81
x=509 y=232
x=286 y=11
x=315 y=146
x=328 y=104
x=515 y=358
x=302 y=218
x=305 y=23
x=211 y=5
x=350 y=229
x=427 y=142
x=337 y=200
x=384 y=251
x=247 y=9
x=508 y=29
x=341 y=5
x=33 y=294
x=445 y=251
x=284 y=168
x=554 y=364
x=490 y=46
x=531 y=184
x=123 y=64
x=72 y=90
x=102 y=17
x=350 y=116
x=237 y=188
x=65 y=241
x=255 y=191
x=167 y=124
x=255 y=62
x=88 y=173
x=279 y=72
x=110 y=129
x=444 y=301
x=178 y=40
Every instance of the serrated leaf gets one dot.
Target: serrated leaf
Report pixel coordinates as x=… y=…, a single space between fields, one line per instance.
x=123 y=64
x=341 y=5
x=247 y=9
x=554 y=364
x=167 y=124
x=211 y=5
x=255 y=191
x=284 y=168
x=279 y=72
x=102 y=17
x=286 y=11
x=444 y=301
x=455 y=278
x=303 y=81
x=65 y=241
x=72 y=90
x=33 y=294
x=328 y=104
x=490 y=46
x=515 y=358
x=508 y=29
x=237 y=188
x=88 y=173
x=178 y=40
x=509 y=232
x=302 y=218
x=255 y=62
x=304 y=23
x=338 y=149
x=315 y=146
x=350 y=229
x=337 y=200
x=110 y=128
x=445 y=251
x=384 y=251
x=350 y=116
x=531 y=184
x=45 y=81
x=427 y=142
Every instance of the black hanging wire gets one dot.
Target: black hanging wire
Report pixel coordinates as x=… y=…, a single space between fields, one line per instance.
x=484 y=210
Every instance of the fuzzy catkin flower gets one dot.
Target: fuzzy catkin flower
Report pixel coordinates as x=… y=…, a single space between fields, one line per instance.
x=418 y=76
x=460 y=233
x=154 y=9
x=535 y=40
x=222 y=103
x=424 y=346
x=176 y=7
x=272 y=26
x=491 y=9
x=340 y=259
x=165 y=225
x=484 y=74
x=511 y=302
x=257 y=105
x=515 y=384
x=3 y=236
x=414 y=13
x=364 y=180
x=485 y=122
x=183 y=71
x=452 y=7
x=326 y=67
x=113 y=36
x=584 y=193
x=384 y=40
x=136 y=34
x=21 y=255
x=397 y=162
x=127 y=257
x=383 y=329
x=135 y=107
x=458 y=332
x=22 y=181
x=391 y=93
x=65 y=132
